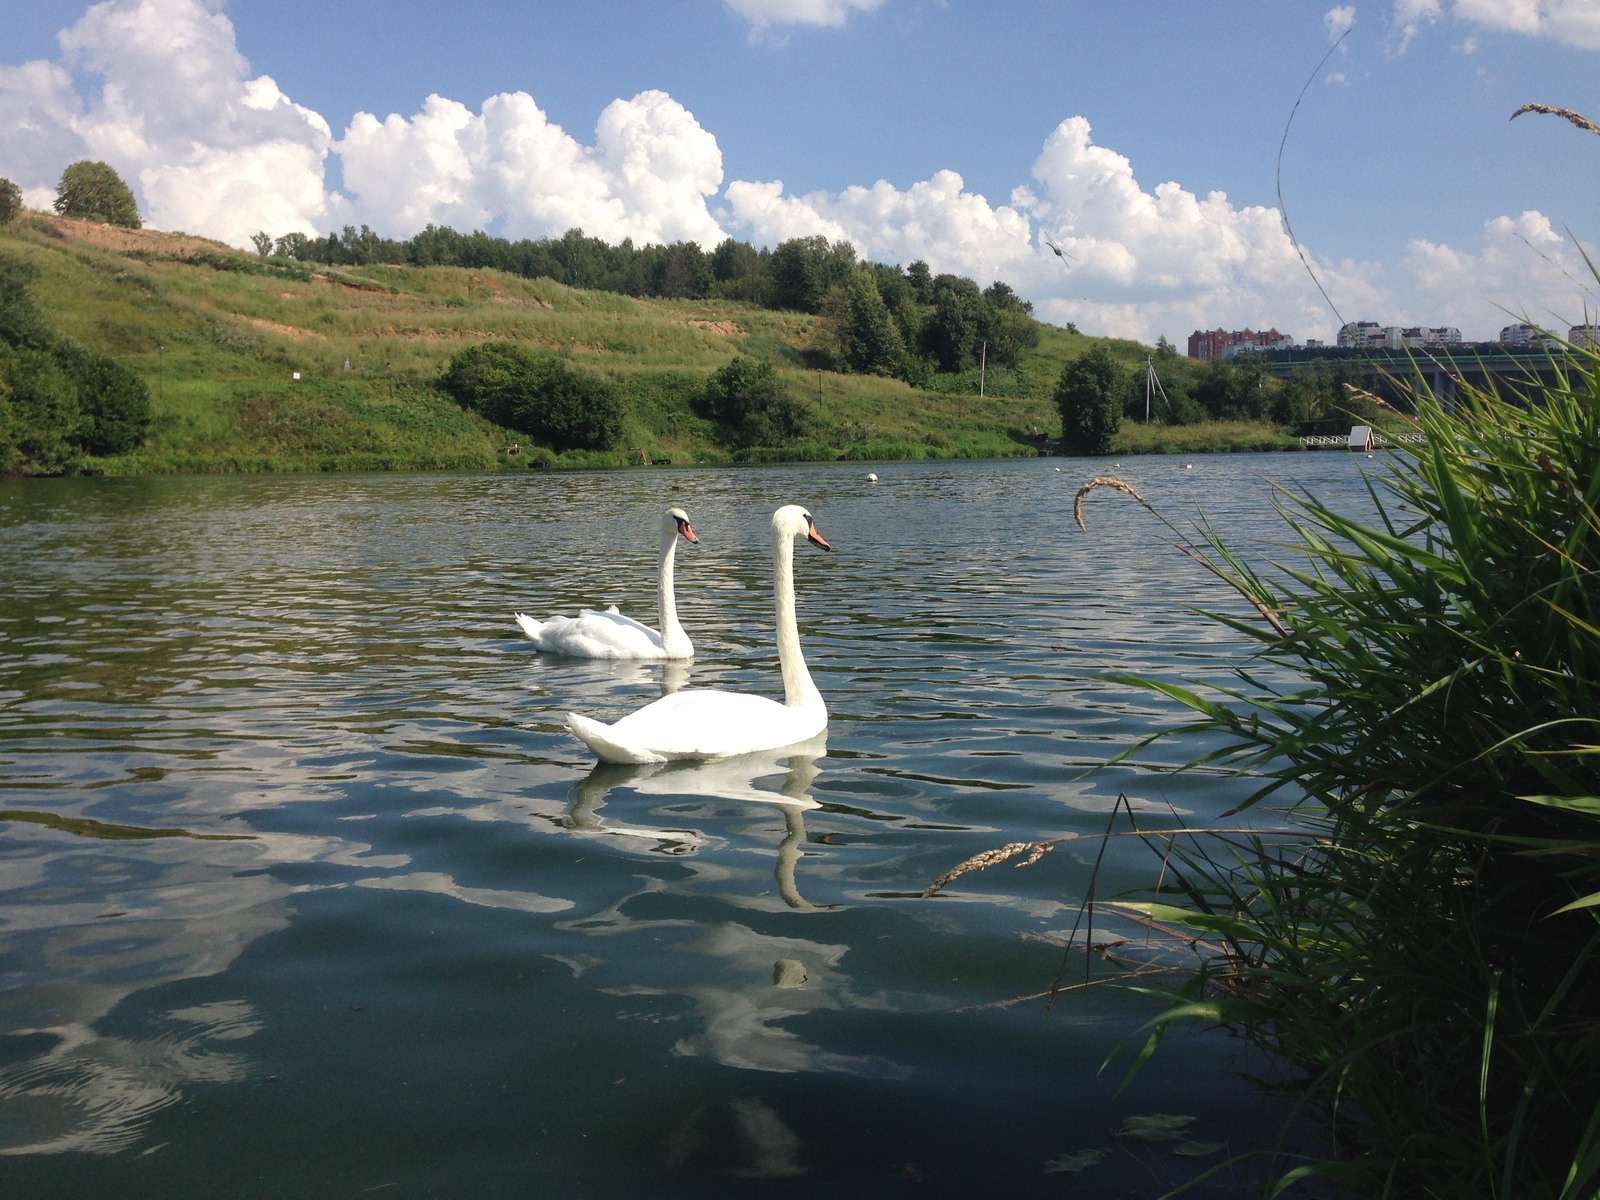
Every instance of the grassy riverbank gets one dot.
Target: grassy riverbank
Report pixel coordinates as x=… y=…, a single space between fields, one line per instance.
x=219 y=335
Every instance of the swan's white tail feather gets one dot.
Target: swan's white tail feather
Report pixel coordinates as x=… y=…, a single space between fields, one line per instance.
x=598 y=738
x=529 y=626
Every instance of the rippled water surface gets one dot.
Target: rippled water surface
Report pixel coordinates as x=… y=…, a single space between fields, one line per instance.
x=410 y=941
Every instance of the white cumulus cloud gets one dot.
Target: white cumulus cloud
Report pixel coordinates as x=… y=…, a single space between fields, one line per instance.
x=936 y=220
x=647 y=176
x=213 y=149
x=1524 y=269
x=1141 y=262
x=209 y=149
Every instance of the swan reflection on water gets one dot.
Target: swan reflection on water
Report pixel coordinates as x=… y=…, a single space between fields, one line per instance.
x=735 y=778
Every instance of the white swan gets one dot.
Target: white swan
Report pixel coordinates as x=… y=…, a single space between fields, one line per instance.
x=609 y=634
x=697 y=723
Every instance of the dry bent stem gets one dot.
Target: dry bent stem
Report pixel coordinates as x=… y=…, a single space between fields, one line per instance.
x=1110 y=481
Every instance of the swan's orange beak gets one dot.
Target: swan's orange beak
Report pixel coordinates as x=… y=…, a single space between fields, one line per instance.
x=814 y=537
x=688 y=534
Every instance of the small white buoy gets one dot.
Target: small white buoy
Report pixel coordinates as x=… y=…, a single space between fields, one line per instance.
x=1369 y=456
x=872 y=477
x=1057 y=470
x=1188 y=466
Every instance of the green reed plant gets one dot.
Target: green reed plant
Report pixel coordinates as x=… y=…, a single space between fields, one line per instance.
x=1423 y=953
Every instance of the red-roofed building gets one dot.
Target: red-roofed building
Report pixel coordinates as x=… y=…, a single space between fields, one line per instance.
x=1223 y=343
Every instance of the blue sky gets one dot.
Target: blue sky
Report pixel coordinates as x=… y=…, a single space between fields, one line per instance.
x=1415 y=196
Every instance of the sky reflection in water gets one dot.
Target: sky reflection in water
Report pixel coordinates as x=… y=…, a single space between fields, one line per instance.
x=450 y=955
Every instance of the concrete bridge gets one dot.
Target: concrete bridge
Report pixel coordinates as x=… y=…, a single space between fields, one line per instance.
x=1391 y=373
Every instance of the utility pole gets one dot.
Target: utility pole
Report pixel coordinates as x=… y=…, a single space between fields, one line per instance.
x=161 y=373
x=983 y=363
x=1152 y=386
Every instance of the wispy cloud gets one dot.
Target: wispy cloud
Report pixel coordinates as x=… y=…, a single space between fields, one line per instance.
x=1573 y=23
x=1339 y=21
x=762 y=14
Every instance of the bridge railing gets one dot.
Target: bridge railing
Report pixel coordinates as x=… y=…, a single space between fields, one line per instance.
x=1341 y=441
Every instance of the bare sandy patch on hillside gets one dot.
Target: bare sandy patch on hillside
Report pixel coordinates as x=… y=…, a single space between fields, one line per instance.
x=721 y=328
x=287 y=330
x=124 y=241
x=415 y=334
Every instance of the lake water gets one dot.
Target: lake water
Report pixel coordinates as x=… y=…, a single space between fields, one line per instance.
x=419 y=946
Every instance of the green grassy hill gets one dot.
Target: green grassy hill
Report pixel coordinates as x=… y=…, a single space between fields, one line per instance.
x=218 y=335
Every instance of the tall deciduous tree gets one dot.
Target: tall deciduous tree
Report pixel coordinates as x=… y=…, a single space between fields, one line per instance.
x=869 y=340
x=92 y=191
x=803 y=270
x=951 y=334
x=10 y=202
x=1089 y=396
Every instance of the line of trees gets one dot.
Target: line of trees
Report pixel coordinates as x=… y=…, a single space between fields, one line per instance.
x=879 y=318
x=1096 y=393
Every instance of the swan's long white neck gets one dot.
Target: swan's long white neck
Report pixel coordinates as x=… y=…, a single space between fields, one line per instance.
x=673 y=638
x=798 y=690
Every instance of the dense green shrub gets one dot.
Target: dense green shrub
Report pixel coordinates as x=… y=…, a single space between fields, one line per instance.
x=752 y=406
x=21 y=322
x=538 y=395
x=92 y=191
x=39 y=415
x=113 y=402
x=58 y=400
x=1089 y=397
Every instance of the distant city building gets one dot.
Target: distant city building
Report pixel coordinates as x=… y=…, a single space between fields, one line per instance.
x=1369 y=335
x=1521 y=335
x=1362 y=335
x=1315 y=343
x=1224 y=343
x=1585 y=335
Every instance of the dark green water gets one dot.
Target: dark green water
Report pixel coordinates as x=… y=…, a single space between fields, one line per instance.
x=439 y=956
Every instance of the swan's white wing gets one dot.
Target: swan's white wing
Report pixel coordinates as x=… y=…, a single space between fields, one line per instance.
x=699 y=724
x=593 y=635
x=613 y=614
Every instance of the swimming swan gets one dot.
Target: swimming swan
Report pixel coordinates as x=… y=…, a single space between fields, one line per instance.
x=704 y=723
x=609 y=634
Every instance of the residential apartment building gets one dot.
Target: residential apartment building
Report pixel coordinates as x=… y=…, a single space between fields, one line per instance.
x=1520 y=335
x=1369 y=335
x=1224 y=343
